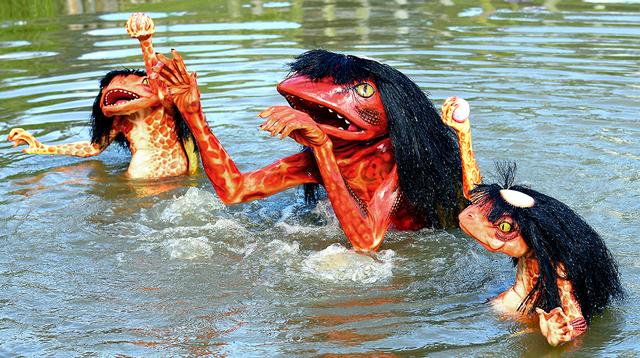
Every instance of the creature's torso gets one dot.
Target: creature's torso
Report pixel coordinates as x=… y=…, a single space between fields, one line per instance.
x=155 y=148
x=364 y=168
x=526 y=276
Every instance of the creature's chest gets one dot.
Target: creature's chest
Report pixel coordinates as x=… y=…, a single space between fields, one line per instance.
x=365 y=171
x=153 y=133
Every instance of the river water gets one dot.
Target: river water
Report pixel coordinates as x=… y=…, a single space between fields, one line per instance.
x=92 y=263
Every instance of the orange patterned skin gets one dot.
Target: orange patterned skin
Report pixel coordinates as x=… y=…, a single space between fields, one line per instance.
x=455 y=114
x=562 y=324
x=142 y=113
x=353 y=160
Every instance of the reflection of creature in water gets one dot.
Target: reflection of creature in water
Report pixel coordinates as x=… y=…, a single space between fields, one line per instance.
x=132 y=111
x=95 y=176
x=565 y=273
x=383 y=159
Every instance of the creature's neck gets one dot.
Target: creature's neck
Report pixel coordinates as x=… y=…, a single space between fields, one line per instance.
x=526 y=275
x=470 y=172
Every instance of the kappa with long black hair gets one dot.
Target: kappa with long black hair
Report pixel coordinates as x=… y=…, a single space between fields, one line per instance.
x=561 y=242
x=425 y=149
x=101 y=125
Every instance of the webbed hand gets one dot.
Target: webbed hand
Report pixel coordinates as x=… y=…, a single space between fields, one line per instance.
x=298 y=125
x=181 y=85
x=20 y=136
x=140 y=26
x=455 y=114
x=555 y=326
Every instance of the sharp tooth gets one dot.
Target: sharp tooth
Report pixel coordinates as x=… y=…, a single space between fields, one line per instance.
x=339 y=116
x=346 y=121
x=321 y=106
x=330 y=110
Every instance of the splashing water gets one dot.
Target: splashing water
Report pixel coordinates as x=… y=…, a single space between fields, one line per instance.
x=336 y=263
x=189 y=248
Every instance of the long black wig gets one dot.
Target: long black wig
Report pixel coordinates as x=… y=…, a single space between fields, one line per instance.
x=562 y=242
x=101 y=124
x=425 y=149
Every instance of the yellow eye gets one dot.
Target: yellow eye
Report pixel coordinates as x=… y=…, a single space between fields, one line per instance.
x=145 y=81
x=504 y=226
x=365 y=90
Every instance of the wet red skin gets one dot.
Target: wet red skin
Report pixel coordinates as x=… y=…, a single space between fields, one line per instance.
x=357 y=168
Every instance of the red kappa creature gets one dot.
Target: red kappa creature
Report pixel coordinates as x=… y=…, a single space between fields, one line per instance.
x=373 y=140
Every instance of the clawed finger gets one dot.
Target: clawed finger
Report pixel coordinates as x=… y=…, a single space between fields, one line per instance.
x=162 y=58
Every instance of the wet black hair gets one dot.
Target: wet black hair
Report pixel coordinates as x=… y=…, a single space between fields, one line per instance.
x=562 y=242
x=101 y=124
x=425 y=149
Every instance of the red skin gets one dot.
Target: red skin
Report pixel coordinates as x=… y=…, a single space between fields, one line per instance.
x=146 y=121
x=562 y=324
x=355 y=165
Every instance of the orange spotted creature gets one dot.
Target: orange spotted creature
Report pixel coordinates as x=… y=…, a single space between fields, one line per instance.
x=372 y=138
x=565 y=273
x=132 y=111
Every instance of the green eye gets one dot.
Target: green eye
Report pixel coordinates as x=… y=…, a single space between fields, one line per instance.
x=145 y=81
x=365 y=90
x=505 y=227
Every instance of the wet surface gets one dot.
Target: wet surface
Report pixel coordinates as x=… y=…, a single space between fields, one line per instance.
x=94 y=263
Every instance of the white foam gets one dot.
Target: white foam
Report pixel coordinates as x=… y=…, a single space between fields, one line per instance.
x=188 y=248
x=338 y=264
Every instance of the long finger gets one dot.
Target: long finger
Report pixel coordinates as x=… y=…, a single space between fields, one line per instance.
x=169 y=75
x=180 y=66
x=162 y=58
x=280 y=125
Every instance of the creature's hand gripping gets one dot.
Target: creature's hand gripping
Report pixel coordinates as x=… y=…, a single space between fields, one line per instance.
x=562 y=324
x=455 y=114
x=364 y=227
x=79 y=149
x=231 y=185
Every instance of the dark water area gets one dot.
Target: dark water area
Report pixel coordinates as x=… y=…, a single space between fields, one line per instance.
x=95 y=264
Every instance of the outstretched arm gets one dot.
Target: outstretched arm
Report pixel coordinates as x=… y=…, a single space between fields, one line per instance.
x=79 y=149
x=455 y=114
x=364 y=224
x=231 y=185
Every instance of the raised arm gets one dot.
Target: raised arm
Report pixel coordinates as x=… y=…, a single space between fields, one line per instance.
x=79 y=149
x=141 y=27
x=231 y=185
x=364 y=224
x=455 y=114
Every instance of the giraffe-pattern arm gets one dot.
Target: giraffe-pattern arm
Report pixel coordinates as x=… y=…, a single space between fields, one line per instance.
x=455 y=114
x=79 y=149
x=563 y=324
x=230 y=183
x=141 y=26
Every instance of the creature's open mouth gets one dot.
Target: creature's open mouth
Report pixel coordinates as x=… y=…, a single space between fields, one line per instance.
x=322 y=114
x=116 y=97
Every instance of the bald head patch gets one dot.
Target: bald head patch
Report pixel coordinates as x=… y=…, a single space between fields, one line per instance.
x=517 y=199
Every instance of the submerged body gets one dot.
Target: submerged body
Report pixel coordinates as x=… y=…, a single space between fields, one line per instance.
x=565 y=274
x=131 y=111
x=384 y=161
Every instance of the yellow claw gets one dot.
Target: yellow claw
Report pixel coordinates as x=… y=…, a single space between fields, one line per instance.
x=140 y=26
